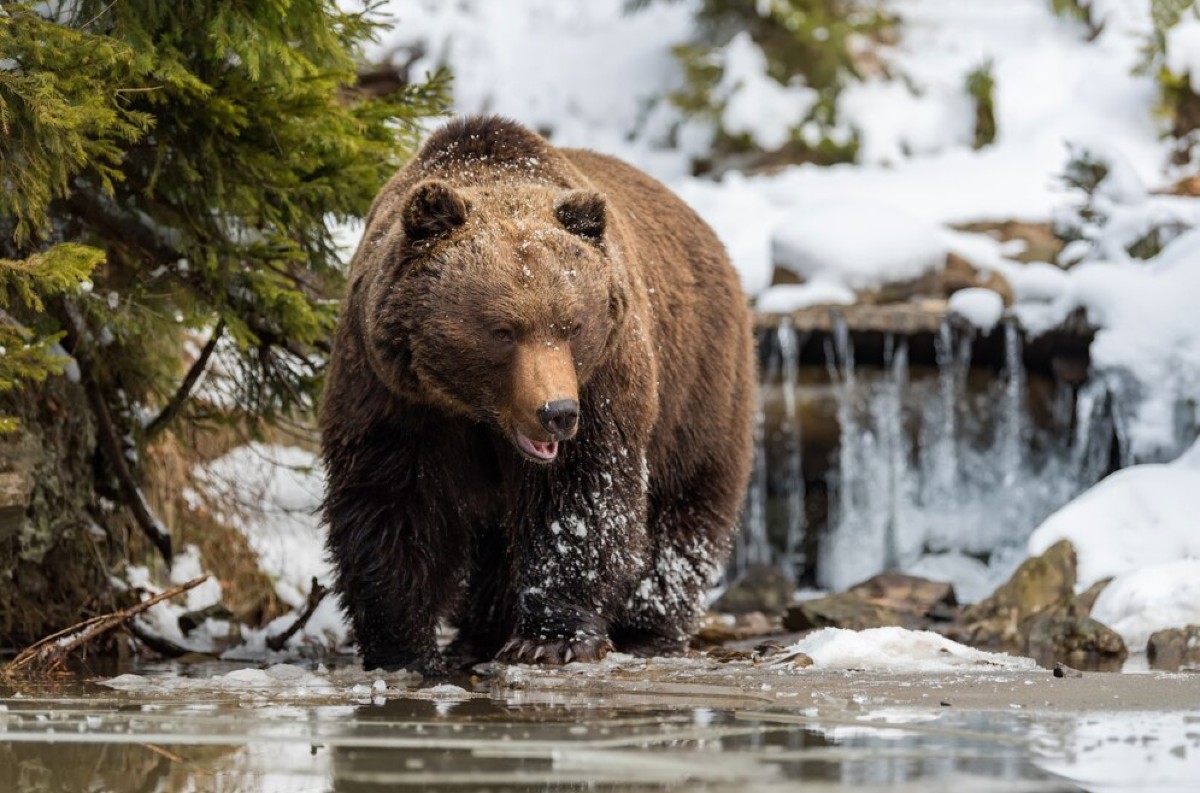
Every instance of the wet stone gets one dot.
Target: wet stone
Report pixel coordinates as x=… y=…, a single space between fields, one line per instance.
x=1081 y=640
x=1174 y=648
x=1041 y=585
x=845 y=610
x=762 y=588
x=909 y=595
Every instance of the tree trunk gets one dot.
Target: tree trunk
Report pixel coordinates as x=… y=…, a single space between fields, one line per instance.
x=54 y=558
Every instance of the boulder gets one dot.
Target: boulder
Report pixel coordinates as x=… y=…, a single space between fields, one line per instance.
x=1170 y=649
x=1074 y=639
x=843 y=610
x=909 y=595
x=1041 y=585
x=1036 y=612
x=959 y=274
x=762 y=588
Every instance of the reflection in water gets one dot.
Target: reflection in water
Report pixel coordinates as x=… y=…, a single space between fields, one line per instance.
x=248 y=744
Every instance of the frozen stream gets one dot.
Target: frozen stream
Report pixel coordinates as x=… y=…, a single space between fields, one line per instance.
x=680 y=725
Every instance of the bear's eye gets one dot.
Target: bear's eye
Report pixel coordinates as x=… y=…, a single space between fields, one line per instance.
x=576 y=329
x=505 y=335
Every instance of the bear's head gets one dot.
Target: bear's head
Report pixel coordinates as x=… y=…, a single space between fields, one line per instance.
x=498 y=304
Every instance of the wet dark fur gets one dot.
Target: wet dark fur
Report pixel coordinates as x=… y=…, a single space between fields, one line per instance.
x=433 y=514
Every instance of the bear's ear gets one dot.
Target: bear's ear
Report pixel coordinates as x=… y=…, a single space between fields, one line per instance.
x=434 y=209
x=583 y=213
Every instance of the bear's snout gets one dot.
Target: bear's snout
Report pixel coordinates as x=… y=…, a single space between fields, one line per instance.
x=545 y=398
x=560 y=418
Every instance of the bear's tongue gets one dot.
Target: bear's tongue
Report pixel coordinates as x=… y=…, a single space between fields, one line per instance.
x=537 y=449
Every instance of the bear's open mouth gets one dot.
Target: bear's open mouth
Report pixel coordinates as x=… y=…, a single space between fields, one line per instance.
x=538 y=451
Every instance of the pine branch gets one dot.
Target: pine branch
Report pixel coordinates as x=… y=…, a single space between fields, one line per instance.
x=176 y=403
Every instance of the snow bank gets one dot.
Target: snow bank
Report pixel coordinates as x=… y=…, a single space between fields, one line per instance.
x=898 y=650
x=1139 y=517
x=860 y=244
x=755 y=104
x=1153 y=598
x=742 y=219
x=273 y=495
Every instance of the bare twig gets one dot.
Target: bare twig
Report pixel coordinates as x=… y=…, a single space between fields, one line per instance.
x=51 y=651
x=315 y=595
x=172 y=408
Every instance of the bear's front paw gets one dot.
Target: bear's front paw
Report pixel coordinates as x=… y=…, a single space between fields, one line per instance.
x=555 y=651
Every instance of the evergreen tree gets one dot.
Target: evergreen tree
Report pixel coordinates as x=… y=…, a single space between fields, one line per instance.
x=174 y=168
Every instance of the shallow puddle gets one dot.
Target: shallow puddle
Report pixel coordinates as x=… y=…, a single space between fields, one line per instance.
x=288 y=728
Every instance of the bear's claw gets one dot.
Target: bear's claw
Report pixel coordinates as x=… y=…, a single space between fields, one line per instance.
x=555 y=652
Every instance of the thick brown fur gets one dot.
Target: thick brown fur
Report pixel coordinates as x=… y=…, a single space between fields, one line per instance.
x=500 y=276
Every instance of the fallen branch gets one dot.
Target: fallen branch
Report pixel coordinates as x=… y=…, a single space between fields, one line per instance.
x=50 y=652
x=315 y=595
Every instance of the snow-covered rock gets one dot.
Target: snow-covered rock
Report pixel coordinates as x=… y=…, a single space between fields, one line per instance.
x=785 y=298
x=983 y=308
x=860 y=244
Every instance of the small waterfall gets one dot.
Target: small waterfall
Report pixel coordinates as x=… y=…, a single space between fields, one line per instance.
x=937 y=470
x=789 y=354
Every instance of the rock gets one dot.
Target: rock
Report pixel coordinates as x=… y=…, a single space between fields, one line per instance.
x=925 y=285
x=1081 y=640
x=795 y=660
x=959 y=274
x=1086 y=600
x=1041 y=585
x=724 y=655
x=191 y=620
x=1062 y=670
x=1173 y=648
x=909 y=595
x=721 y=628
x=1041 y=243
x=844 y=610
x=761 y=588
x=1037 y=612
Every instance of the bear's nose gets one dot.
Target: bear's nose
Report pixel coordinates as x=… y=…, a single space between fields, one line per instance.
x=559 y=418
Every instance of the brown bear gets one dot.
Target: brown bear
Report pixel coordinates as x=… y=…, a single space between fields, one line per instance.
x=537 y=420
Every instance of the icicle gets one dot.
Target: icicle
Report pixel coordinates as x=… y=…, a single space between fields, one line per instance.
x=1012 y=426
x=789 y=353
x=757 y=542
